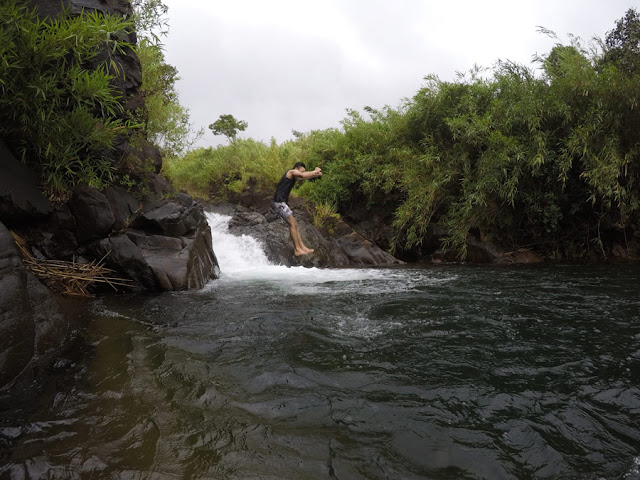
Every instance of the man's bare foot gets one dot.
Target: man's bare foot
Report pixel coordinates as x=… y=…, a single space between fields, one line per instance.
x=299 y=253
x=310 y=250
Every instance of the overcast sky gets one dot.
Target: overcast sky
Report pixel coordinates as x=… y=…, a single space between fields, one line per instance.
x=284 y=65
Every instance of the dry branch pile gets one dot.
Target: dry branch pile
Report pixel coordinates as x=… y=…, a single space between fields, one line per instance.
x=71 y=278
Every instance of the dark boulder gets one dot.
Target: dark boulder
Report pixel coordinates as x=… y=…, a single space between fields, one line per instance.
x=123 y=205
x=361 y=251
x=93 y=214
x=521 y=256
x=183 y=199
x=163 y=245
x=482 y=251
x=170 y=219
x=167 y=246
x=179 y=263
x=124 y=256
x=32 y=327
x=159 y=187
x=273 y=234
x=57 y=244
x=20 y=200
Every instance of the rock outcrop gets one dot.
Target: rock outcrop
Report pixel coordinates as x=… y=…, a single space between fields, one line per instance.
x=336 y=244
x=32 y=326
x=160 y=244
x=19 y=200
x=128 y=84
x=166 y=247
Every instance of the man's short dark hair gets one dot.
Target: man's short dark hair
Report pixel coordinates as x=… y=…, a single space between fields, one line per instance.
x=299 y=164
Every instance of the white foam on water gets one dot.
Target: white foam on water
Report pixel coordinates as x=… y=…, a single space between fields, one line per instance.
x=634 y=472
x=237 y=255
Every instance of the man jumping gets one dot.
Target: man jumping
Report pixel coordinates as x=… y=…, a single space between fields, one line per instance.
x=279 y=203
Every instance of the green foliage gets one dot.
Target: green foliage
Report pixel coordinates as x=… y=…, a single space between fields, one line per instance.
x=324 y=214
x=228 y=126
x=622 y=44
x=165 y=122
x=150 y=20
x=57 y=114
x=516 y=157
x=546 y=158
x=217 y=172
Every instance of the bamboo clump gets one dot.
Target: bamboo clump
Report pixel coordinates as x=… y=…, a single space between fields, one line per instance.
x=71 y=278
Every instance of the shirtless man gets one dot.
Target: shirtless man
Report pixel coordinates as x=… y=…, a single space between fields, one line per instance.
x=279 y=203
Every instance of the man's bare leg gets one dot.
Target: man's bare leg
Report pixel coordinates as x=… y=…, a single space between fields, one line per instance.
x=298 y=245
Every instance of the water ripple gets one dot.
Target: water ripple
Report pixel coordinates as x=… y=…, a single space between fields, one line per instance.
x=452 y=372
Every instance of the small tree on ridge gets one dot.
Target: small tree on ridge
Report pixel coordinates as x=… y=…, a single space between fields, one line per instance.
x=228 y=126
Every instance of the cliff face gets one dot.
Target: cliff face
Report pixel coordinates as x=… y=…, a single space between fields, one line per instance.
x=32 y=327
x=50 y=8
x=157 y=242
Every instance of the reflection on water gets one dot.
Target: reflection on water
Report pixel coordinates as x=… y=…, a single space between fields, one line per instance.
x=449 y=372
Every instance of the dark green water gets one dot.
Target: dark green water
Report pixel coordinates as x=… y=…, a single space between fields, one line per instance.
x=449 y=372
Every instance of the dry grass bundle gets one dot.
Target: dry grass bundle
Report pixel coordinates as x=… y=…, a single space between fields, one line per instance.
x=71 y=278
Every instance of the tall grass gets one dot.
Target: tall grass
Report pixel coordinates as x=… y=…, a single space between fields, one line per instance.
x=214 y=173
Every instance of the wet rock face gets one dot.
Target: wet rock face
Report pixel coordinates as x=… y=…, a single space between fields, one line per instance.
x=20 y=200
x=93 y=214
x=165 y=245
x=335 y=245
x=50 y=8
x=162 y=245
x=129 y=78
x=128 y=84
x=32 y=327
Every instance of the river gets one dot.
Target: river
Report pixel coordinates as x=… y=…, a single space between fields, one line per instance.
x=438 y=372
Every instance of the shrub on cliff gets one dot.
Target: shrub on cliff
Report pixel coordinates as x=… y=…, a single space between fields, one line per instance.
x=163 y=120
x=58 y=115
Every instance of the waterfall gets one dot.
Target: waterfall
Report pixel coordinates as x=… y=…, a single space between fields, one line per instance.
x=234 y=253
x=242 y=258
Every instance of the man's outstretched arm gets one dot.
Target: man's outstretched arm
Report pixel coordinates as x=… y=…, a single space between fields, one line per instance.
x=317 y=172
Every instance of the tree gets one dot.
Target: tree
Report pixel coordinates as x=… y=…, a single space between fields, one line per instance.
x=622 y=44
x=228 y=126
x=164 y=121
